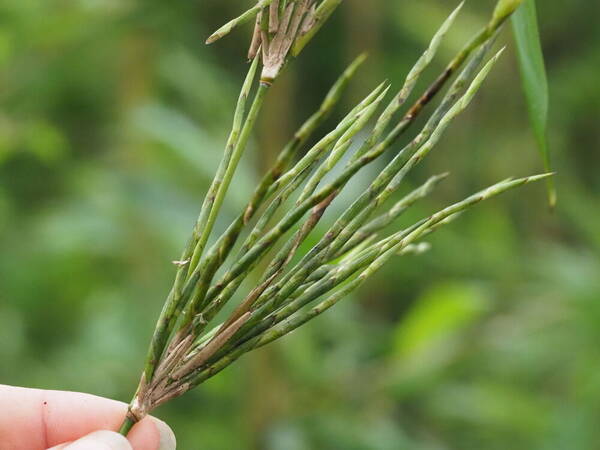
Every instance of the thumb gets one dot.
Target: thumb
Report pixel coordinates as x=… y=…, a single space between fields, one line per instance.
x=98 y=440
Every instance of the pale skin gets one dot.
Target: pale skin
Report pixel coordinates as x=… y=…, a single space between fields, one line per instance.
x=35 y=419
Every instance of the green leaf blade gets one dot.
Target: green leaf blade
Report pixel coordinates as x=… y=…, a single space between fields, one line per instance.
x=535 y=81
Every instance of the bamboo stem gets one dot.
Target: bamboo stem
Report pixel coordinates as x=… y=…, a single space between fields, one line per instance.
x=127 y=425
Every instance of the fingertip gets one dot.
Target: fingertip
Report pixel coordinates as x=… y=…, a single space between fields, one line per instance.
x=167 y=437
x=152 y=434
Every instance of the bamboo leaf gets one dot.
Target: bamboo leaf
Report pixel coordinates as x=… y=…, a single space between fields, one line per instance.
x=535 y=83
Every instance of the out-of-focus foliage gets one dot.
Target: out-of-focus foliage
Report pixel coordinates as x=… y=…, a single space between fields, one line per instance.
x=112 y=120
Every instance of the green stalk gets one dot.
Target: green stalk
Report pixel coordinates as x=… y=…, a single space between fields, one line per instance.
x=169 y=313
x=220 y=186
x=126 y=426
x=224 y=186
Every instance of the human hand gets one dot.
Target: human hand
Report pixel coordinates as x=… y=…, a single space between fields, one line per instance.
x=34 y=419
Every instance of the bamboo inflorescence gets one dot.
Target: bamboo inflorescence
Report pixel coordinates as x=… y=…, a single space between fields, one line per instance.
x=187 y=348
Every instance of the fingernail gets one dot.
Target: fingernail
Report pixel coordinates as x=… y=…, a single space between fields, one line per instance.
x=100 y=440
x=167 y=437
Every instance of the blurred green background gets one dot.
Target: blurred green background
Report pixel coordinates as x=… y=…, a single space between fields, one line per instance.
x=113 y=116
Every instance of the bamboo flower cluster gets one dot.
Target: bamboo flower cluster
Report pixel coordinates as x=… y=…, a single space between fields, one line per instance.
x=291 y=199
